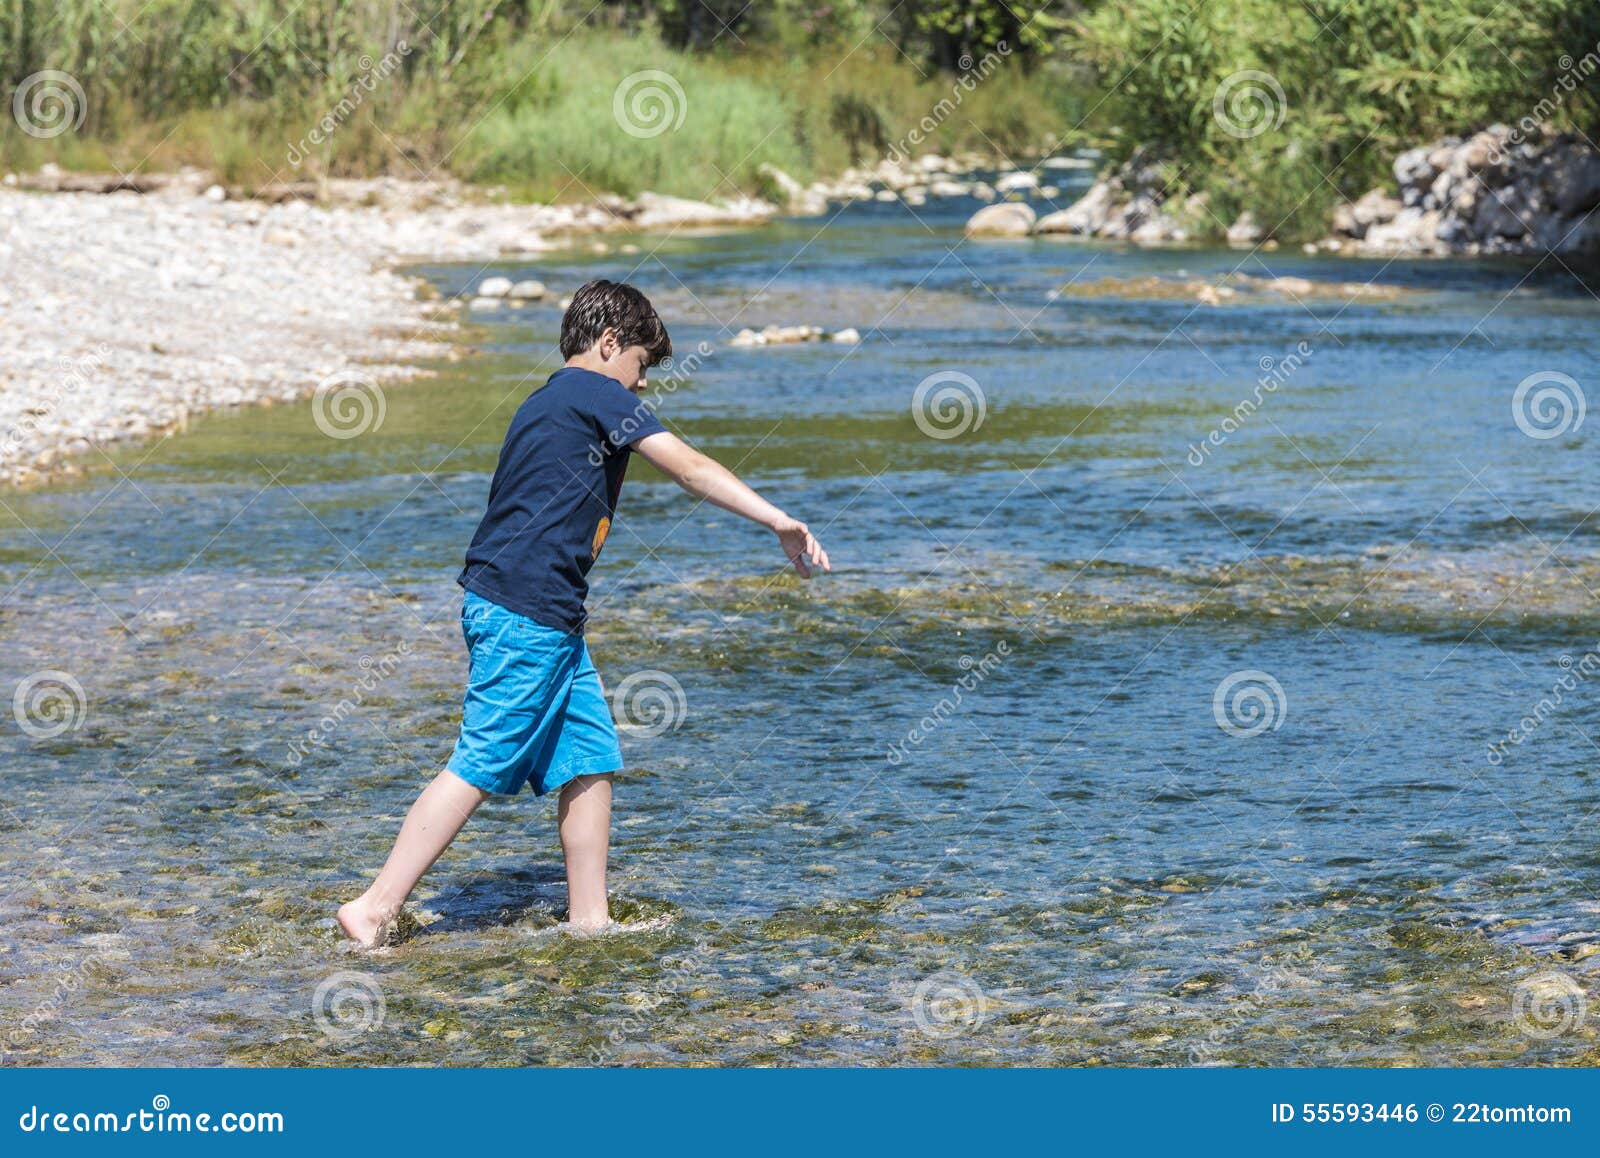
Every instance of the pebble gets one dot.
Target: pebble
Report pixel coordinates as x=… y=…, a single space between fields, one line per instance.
x=789 y=335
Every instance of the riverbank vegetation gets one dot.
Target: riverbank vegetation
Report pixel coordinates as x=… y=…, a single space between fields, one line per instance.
x=1283 y=109
x=523 y=94
x=1286 y=109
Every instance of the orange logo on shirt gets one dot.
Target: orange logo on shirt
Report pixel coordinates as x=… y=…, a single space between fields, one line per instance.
x=599 y=537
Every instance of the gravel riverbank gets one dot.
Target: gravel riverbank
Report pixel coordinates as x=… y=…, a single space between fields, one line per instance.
x=126 y=313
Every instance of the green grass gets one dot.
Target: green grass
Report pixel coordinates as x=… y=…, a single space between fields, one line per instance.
x=524 y=102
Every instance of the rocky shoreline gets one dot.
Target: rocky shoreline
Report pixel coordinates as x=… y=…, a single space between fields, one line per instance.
x=1506 y=191
x=133 y=305
x=1495 y=192
x=136 y=303
x=130 y=311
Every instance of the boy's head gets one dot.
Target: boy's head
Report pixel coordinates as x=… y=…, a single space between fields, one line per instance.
x=612 y=328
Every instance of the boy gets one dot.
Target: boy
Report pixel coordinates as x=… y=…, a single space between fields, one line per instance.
x=534 y=711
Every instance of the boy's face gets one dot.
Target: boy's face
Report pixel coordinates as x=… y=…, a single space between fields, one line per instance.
x=627 y=364
x=610 y=357
x=632 y=362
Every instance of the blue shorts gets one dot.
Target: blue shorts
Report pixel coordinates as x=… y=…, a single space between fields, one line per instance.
x=534 y=711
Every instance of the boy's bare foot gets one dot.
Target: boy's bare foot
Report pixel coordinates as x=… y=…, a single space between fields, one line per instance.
x=362 y=924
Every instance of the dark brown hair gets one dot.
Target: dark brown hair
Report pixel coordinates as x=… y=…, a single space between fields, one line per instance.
x=601 y=305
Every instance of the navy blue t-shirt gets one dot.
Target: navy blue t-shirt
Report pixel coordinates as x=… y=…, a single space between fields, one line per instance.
x=554 y=494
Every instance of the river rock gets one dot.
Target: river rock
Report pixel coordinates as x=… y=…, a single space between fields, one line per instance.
x=1502 y=190
x=1353 y=219
x=494 y=287
x=800 y=201
x=527 y=291
x=1085 y=215
x=658 y=211
x=1007 y=219
x=1246 y=231
x=1130 y=203
x=1015 y=182
x=790 y=335
x=1573 y=177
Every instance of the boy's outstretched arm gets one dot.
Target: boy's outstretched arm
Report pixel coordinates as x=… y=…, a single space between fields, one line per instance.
x=710 y=480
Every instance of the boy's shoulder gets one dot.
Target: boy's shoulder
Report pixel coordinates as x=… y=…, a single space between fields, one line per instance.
x=576 y=386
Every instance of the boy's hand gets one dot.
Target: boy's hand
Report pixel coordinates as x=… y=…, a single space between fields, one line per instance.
x=800 y=545
x=715 y=483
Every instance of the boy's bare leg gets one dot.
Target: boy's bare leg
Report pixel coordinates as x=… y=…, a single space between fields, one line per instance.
x=430 y=826
x=585 y=816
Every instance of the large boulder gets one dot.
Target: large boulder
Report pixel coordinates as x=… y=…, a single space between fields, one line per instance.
x=1375 y=207
x=1413 y=230
x=1501 y=190
x=1088 y=214
x=658 y=211
x=1246 y=231
x=1414 y=171
x=1007 y=219
x=1016 y=181
x=1573 y=177
x=1577 y=238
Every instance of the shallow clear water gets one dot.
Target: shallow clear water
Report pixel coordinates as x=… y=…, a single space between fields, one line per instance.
x=832 y=860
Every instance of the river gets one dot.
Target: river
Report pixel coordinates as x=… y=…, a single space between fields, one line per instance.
x=1108 y=741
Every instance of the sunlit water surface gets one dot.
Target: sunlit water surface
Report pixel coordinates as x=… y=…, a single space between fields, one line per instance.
x=1074 y=864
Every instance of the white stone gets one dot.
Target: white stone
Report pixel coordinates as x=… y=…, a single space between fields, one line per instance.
x=1007 y=219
